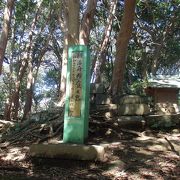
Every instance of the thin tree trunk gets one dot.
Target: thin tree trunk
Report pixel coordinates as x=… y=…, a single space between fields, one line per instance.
x=7 y=110
x=144 y=72
x=15 y=95
x=157 y=54
x=11 y=84
x=5 y=31
x=87 y=22
x=57 y=51
x=99 y=66
x=12 y=104
x=29 y=92
x=121 y=47
x=30 y=78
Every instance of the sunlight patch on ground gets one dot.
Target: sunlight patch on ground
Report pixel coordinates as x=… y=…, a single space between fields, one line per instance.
x=14 y=154
x=115 y=173
x=111 y=145
x=142 y=138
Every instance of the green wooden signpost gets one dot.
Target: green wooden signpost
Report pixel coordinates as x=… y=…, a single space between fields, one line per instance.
x=77 y=95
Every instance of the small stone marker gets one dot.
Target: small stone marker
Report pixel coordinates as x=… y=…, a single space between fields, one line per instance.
x=77 y=95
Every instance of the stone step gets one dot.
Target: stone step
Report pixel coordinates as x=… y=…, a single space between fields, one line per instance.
x=131 y=122
x=134 y=99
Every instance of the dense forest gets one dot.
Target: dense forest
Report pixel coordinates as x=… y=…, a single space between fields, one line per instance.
x=129 y=42
x=132 y=130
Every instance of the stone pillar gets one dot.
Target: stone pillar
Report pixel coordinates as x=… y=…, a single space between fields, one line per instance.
x=77 y=95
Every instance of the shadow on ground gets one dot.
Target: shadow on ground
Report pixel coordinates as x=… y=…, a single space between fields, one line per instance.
x=130 y=154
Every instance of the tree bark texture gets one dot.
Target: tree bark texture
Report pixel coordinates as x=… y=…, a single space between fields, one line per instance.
x=122 y=46
x=70 y=27
x=12 y=103
x=5 y=30
x=87 y=22
x=99 y=66
x=73 y=7
x=30 y=76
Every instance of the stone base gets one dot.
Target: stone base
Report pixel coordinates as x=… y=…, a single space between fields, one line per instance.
x=163 y=121
x=133 y=109
x=68 y=151
x=134 y=99
x=131 y=122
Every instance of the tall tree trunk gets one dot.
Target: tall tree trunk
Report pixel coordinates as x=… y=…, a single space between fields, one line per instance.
x=7 y=109
x=155 y=60
x=12 y=104
x=87 y=22
x=103 y=48
x=30 y=77
x=121 y=47
x=70 y=27
x=33 y=72
x=5 y=31
x=73 y=8
x=29 y=92
x=144 y=71
x=58 y=52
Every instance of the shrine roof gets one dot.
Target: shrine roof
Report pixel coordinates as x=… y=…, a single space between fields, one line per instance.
x=162 y=81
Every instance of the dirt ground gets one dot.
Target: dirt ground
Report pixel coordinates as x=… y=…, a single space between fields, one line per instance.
x=129 y=155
